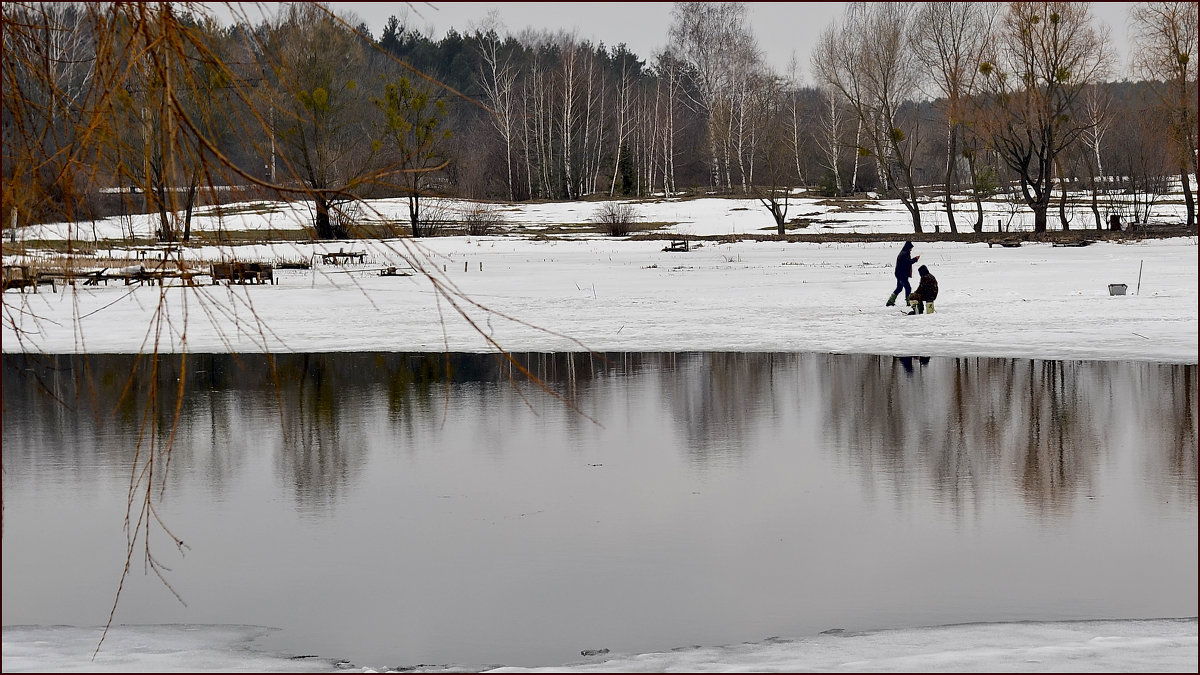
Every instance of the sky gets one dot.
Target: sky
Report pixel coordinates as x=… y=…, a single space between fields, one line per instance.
x=781 y=28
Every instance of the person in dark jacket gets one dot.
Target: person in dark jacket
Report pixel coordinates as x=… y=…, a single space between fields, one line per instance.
x=904 y=263
x=921 y=300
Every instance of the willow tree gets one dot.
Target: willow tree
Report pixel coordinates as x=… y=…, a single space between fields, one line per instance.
x=412 y=128
x=320 y=114
x=1045 y=56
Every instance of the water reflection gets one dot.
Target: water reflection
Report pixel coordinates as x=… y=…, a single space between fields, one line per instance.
x=957 y=427
x=655 y=499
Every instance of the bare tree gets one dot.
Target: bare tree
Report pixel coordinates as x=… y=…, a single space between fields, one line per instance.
x=49 y=62
x=1165 y=37
x=891 y=75
x=830 y=123
x=498 y=81
x=668 y=77
x=624 y=118
x=870 y=62
x=835 y=62
x=1046 y=54
x=793 y=93
x=706 y=35
x=745 y=104
x=1143 y=162
x=949 y=41
x=1097 y=104
x=774 y=190
x=568 y=65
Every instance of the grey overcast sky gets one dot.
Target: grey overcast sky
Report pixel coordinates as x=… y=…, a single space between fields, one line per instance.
x=781 y=28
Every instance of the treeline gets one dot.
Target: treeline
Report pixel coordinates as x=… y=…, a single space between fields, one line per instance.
x=150 y=107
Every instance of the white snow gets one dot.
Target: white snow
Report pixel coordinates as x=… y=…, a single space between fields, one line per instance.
x=571 y=292
x=1164 y=645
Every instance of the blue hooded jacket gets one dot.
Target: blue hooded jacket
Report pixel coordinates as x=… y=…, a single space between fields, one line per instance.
x=904 y=262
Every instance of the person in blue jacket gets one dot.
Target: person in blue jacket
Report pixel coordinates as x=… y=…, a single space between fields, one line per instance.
x=904 y=265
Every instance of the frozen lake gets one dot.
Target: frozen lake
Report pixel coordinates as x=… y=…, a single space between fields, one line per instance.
x=377 y=509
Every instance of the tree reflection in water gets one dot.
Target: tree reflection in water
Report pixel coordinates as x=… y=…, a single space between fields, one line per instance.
x=962 y=427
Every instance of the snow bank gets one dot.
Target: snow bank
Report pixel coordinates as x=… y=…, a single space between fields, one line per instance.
x=1166 y=645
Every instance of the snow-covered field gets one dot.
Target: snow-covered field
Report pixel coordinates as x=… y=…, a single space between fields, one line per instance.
x=521 y=292
x=530 y=293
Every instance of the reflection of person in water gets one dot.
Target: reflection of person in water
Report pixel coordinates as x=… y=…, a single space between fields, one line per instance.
x=906 y=362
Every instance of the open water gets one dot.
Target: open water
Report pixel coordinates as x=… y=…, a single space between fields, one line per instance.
x=403 y=509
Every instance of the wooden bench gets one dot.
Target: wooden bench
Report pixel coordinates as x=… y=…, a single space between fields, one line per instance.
x=18 y=276
x=243 y=273
x=343 y=256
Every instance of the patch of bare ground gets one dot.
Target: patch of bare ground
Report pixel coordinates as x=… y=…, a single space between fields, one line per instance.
x=1067 y=237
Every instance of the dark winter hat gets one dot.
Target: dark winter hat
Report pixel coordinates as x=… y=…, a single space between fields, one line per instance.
x=908 y=244
x=923 y=270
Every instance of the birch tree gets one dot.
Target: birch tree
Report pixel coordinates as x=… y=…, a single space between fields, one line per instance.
x=497 y=78
x=49 y=59
x=1097 y=107
x=797 y=129
x=830 y=122
x=706 y=35
x=668 y=72
x=836 y=62
x=623 y=117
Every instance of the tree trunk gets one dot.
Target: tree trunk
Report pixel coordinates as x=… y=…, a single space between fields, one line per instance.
x=951 y=156
x=915 y=209
x=1039 y=217
x=1187 y=196
x=857 y=155
x=414 y=216
x=189 y=204
x=1062 y=207
x=975 y=191
x=324 y=228
x=1062 y=197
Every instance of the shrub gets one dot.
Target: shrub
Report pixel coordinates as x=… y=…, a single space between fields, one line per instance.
x=827 y=186
x=987 y=183
x=482 y=219
x=616 y=219
x=346 y=216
